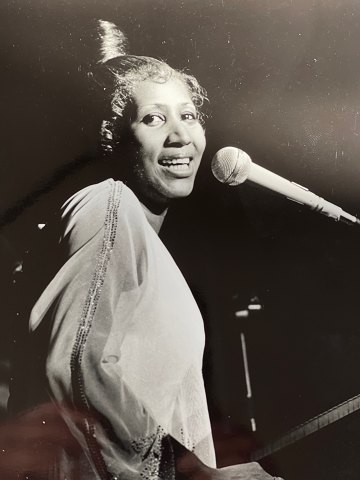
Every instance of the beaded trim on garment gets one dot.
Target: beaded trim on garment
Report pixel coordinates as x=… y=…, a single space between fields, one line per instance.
x=87 y=317
x=150 y=449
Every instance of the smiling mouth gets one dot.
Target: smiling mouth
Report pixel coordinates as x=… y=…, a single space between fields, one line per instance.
x=176 y=164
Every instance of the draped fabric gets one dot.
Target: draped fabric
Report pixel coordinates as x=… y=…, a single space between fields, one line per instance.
x=126 y=342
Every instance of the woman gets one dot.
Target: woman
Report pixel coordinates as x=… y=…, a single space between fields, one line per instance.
x=124 y=335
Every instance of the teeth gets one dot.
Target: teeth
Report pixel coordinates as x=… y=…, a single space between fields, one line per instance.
x=184 y=166
x=175 y=162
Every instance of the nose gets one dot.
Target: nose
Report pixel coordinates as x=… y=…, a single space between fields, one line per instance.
x=177 y=135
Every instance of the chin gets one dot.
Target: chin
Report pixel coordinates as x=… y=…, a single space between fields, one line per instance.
x=179 y=191
x=158 y=195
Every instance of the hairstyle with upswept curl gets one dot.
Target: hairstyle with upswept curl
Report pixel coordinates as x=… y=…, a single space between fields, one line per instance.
x=119 y=73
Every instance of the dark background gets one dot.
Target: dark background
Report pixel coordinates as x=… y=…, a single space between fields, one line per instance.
x=283 y=82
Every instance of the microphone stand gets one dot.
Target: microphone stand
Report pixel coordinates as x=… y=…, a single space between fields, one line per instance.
x=243 y=314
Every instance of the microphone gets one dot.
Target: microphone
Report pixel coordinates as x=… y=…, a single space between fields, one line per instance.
x=232 y=166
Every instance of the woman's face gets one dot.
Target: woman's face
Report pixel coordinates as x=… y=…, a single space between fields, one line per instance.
x=169 y=141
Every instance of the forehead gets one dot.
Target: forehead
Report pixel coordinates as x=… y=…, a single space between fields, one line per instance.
x=170 y=93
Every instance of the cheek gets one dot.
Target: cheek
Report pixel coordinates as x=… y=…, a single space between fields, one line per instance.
x=145 y=166
x=149 y=142
x=200 y=140
x=147 y=159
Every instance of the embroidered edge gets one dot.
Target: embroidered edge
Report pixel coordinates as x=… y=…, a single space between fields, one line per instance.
x=85 y=324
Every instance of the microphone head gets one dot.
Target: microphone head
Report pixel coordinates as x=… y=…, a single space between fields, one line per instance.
x=231 y=165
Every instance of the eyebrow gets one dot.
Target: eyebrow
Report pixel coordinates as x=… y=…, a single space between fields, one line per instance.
x=164 y=105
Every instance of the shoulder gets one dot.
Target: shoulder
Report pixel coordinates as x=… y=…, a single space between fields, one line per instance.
x=82 y=215
x=85 y=213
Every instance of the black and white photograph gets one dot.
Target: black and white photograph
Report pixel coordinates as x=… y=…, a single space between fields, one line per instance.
x=179 y=242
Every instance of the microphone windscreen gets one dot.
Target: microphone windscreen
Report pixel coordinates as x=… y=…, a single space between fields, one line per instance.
x=231 y=165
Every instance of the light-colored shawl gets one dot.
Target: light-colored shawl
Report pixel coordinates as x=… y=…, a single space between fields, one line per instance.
x=126 y=339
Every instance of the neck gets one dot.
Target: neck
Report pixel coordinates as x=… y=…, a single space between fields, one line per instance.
x=155 y=220
x=156 y=206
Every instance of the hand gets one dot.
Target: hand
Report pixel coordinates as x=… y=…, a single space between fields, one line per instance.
x=190 y=467
x=245 y=471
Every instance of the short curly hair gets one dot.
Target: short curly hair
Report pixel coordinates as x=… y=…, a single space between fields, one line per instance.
x=123 y=74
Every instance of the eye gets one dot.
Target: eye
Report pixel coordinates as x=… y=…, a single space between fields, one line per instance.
x=189 y=116
x=153 y=119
